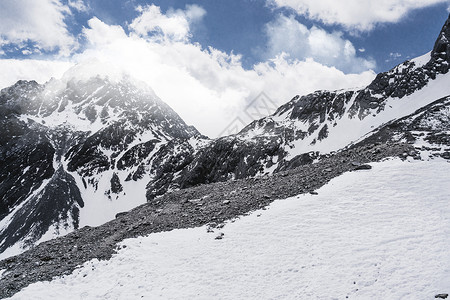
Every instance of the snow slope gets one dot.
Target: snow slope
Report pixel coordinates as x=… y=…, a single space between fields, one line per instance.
x=378 y=234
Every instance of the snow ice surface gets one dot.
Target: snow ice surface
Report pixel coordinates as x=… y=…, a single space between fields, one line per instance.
x=377 y=234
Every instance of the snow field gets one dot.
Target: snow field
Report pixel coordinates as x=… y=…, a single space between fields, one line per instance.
x=377 y=234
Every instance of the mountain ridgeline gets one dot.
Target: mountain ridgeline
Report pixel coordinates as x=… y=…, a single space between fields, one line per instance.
x=75 y=152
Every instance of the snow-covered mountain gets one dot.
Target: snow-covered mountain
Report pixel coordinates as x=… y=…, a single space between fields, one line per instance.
x=78 y=150
x=75 y=152
x=320 y=123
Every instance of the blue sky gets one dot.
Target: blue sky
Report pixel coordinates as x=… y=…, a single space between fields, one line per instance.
x=220 y=54
x=238 y=26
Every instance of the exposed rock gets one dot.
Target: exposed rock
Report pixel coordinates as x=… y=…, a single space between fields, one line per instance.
x=116 y=186
x=363 y=167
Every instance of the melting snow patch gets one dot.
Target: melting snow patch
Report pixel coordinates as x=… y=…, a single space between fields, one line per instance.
x=382 y=234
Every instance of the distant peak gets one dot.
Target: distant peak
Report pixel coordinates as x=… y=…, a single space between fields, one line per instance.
x=442 y=46
x=94 y=72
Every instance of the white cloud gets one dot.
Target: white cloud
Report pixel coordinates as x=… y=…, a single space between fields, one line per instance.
x=78 y=5
x=361 y=15
x=286 y=34
x=37 y=21
x=99 y=34
x=207 y=87
x=30 y=69
x=175 y=25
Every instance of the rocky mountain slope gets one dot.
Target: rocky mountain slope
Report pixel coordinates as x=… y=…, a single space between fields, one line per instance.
x=74 y=152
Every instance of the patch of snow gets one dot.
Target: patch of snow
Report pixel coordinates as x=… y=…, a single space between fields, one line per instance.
x=377 y=234
x=26 y=169
x=99 y=208
x=2 y=272
x=198 y=143
x=421 y=60
x=14 y=250
x=56 y=230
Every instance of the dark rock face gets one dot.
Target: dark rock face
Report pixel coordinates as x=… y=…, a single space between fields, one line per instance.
x=136 y=154
x=220 y=160
x=116 y=186
x=317 y=106
x=441 y=49
x=57 y=203
x=229 y=158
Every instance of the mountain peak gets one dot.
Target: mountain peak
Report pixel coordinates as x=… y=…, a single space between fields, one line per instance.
x=441 y=48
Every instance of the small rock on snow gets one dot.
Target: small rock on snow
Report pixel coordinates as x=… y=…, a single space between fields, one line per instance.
x=363 y=167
